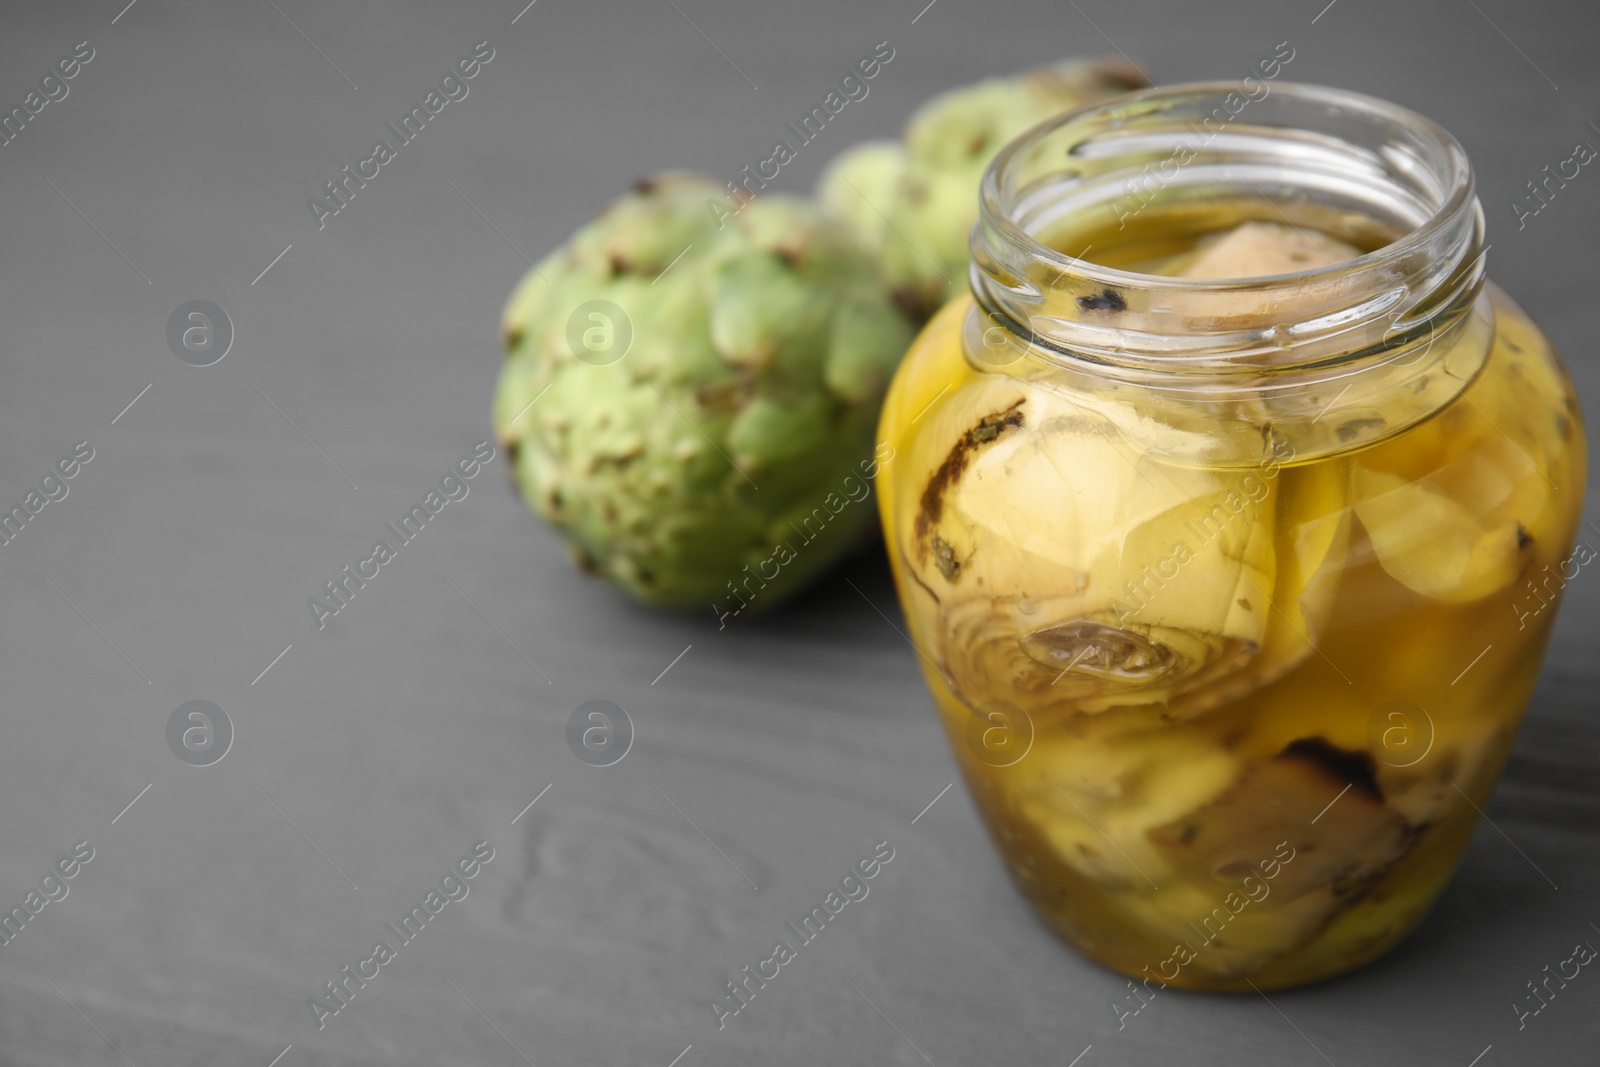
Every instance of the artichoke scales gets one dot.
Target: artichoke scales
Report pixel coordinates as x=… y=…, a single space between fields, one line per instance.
x=689 y=397
x=912 y=204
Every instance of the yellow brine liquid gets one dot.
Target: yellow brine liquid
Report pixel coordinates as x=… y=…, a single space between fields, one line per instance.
x=1229 y=681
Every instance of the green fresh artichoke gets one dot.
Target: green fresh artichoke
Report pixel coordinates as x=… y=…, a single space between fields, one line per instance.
x=690 y=396
x=912 y=205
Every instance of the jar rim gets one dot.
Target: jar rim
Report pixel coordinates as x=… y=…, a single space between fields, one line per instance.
x=1367 y=145
x=1461 y=185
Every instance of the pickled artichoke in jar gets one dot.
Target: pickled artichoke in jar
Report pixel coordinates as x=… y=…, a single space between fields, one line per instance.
x=1217 y=540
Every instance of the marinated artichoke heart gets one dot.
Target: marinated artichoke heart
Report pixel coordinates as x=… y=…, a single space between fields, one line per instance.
x=912 y=205
x=1319 y=812
x=1071 y=576
x=1098 y=799
x=1455 y=509
x=1324 y=801
x=690 y=400
x=1134 y=587
x=1258 y=250
x=1432 y=543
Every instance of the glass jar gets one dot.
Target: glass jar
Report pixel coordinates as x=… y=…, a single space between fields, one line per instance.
x=1231 y=592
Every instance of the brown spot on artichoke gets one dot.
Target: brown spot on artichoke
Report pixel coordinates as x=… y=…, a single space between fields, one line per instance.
x=987 y=429
x=1354 y=768
x=1105 y=300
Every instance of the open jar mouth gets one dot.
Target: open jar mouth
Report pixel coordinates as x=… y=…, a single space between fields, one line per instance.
x=1287 y=153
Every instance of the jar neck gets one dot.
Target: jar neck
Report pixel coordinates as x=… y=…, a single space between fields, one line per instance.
x=1279 y=153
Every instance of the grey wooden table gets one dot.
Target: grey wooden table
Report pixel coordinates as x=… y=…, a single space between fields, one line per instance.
x=369 y=757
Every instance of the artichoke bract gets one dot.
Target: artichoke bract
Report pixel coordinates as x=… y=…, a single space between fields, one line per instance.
x=690 y=396
x=913 y=204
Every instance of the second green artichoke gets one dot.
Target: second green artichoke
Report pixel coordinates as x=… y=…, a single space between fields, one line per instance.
x=912 y=204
